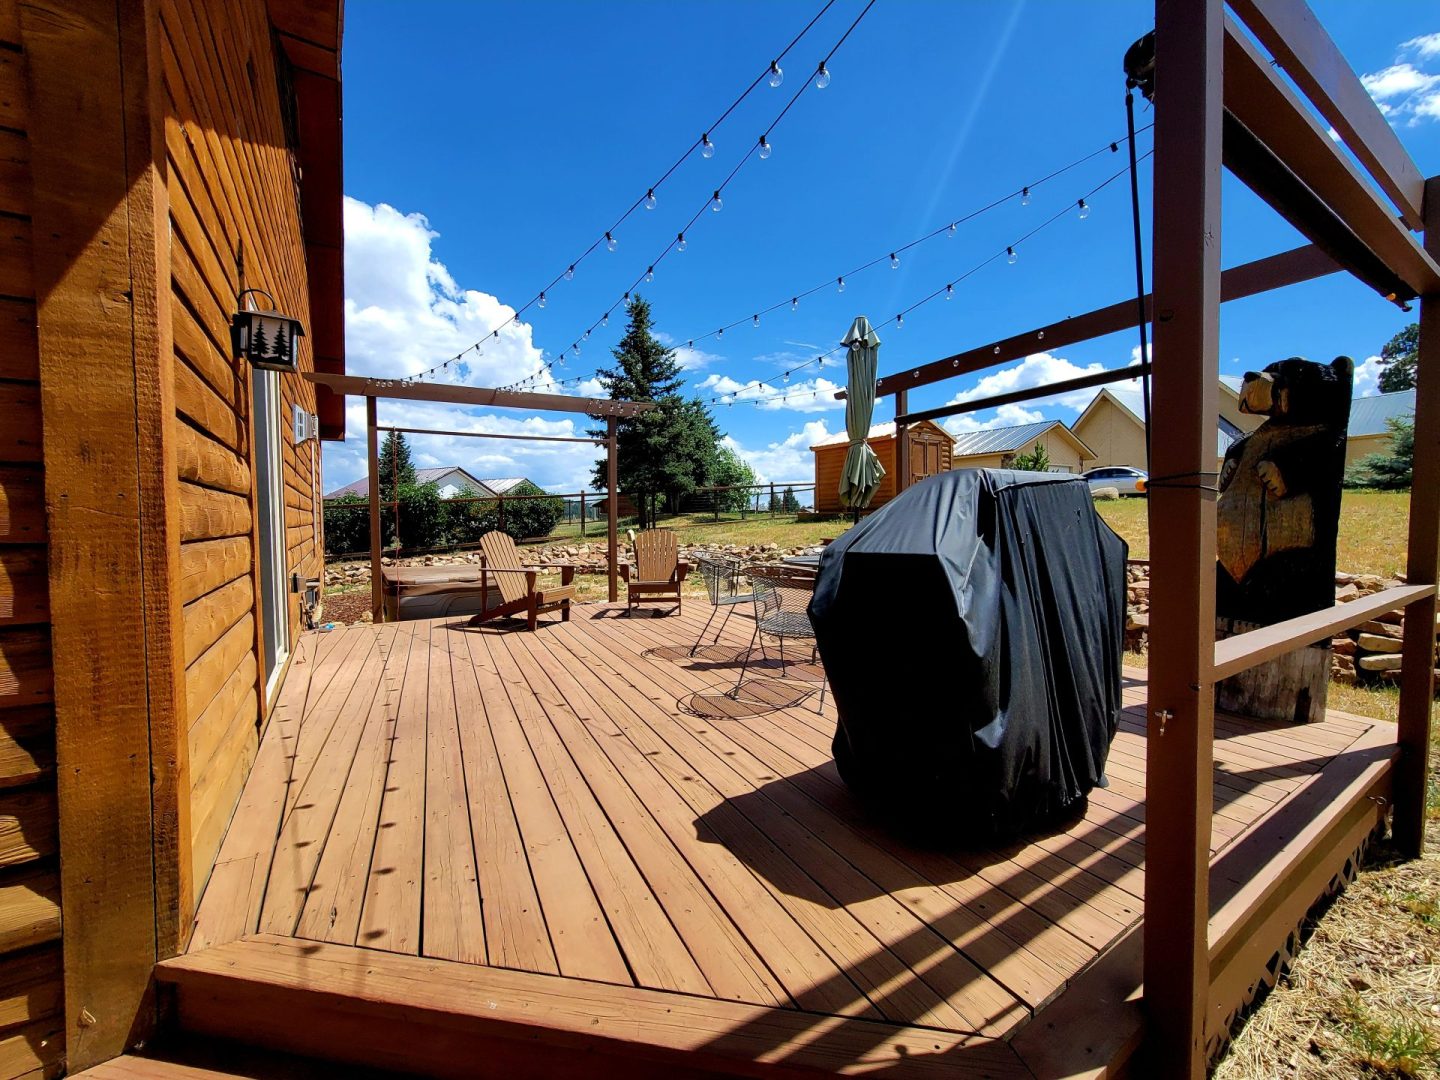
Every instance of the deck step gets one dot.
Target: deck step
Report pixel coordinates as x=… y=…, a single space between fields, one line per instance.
x=459 y=1020
x=190 y=1058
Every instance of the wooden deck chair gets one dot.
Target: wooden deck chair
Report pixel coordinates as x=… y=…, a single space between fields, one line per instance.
x=517 y=584
x=656 y=574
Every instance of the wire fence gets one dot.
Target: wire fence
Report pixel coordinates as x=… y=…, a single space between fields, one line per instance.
x=421 y=521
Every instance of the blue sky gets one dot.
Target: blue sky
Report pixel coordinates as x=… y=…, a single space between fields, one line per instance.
x=486 y=146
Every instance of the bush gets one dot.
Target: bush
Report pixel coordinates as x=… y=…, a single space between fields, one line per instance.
x=347 y=525
x=422 y=518
x=524 y=519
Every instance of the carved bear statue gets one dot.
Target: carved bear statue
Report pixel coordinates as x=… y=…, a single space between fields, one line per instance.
x=1279 y=505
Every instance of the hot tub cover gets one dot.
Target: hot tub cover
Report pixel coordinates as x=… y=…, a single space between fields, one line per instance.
x=972 y=631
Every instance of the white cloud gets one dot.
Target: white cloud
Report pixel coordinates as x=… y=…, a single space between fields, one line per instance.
x=1037 y=369
x=789 y=459
x=1426 y=45
x=1367 y=376
x=1004 y=416
x=1404 y=92
x=405 y=313
x=688 y=356
x=805 y=395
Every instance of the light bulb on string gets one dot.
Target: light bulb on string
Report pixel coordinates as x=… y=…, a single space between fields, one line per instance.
x=822 y=76
x=605 y=319
x=680 y=244
x=716 y=203
x=794 y=303
x=787 y=376
x=1011 y=256
x=649 y=274
x=570 y=272
x=951 y=230
x=707 y=148
x=585 y=336
x=541 y=301
x=650 y=200
x=755 y=321
x=1025 y=196
x=899 y=321
x=777 y=76
x=894 y=261
x=840 y=284
x=1084 y=209
x=610 y=242
x=719 y=333
x=949 y=292
x=765 y=148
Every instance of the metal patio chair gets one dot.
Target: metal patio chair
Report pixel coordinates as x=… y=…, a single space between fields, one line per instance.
x=723 y=581
x=782 y=600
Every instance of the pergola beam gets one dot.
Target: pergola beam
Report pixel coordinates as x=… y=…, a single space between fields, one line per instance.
x=1305 y=52
x=1248 y=279
x=450 y=394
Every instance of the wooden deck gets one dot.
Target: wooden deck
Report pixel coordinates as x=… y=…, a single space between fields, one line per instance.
x=572 y=841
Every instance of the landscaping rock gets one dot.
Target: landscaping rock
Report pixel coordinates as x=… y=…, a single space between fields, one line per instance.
x=1379 y=662
x=1378 y=643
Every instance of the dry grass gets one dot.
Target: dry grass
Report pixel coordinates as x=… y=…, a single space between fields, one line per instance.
x=1373 y=527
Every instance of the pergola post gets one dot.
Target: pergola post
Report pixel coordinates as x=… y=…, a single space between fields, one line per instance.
x=372 y=459
x=612 y=507
x=1180 y=716
x=902 y=441
x=1417 y=686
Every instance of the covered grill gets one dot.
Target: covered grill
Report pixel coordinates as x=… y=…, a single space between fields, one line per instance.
x=972 y=632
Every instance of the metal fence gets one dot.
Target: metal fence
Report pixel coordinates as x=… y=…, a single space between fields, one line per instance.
x=430 y=523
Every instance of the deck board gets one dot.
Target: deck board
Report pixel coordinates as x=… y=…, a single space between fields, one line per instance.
x=548 y=804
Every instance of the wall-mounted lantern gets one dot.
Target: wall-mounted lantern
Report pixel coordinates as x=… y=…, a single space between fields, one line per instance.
x=267 y=339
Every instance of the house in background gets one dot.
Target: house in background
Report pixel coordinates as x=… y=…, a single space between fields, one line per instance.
x=1113 y=424
x=452 y=480
x=159 y=495
x=930 y=453
x=1369 y=430
x=997 y=447
x=506 y=485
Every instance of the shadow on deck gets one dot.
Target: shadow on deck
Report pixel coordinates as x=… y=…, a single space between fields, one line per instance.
x=534 y=847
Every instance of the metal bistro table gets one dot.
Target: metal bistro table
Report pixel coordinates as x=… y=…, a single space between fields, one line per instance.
x=809 y=562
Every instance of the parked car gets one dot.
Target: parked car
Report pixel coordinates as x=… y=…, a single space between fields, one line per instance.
x=1122 y=478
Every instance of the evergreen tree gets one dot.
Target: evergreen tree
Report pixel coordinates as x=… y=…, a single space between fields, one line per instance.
x=281 y=346
x=1399 y=358
x=1390 y=470
x=396 y=468
x=667 y=451
x=259 y=344
x=1037 y=460
x=788 y=502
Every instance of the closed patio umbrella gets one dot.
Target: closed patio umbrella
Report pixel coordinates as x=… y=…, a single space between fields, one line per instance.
x=861 y=476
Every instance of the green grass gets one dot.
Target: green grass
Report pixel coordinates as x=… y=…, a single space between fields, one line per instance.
x=1373 y=530
x=1392 y=1046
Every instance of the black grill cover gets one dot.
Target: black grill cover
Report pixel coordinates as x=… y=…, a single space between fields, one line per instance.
x=972 y=631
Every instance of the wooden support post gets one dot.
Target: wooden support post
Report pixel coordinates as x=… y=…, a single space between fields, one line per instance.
x=372 y=458
x=1180 y=715
x=612 y=507
x=1417 y=686
x=582 y=515
x=902 y=442
x=102 y=292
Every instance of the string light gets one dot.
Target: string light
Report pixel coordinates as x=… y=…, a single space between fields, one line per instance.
x=822 y=76
x=777 y=76
x=707 y=148
x=952 y=229
x=541 y=301
x=570 y=272
x=649 y=274
x=1084 y=209
x=716 y=202
x=650 y=201
x=765 y=148
x=1025 y=196
x=680 y=244
x=900 y=321
x=949 y=292
x=755 y=321
x=894 y=261
x=794 y=303
x=1011 y=256
x=610 y=242
x=840 y=284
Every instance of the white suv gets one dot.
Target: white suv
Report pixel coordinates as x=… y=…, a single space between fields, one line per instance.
x=1122 y=478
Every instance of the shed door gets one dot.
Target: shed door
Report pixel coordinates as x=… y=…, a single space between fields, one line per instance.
x=269 y=434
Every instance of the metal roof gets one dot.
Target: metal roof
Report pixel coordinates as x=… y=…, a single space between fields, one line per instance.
x=1368 y=414
x=422 y=476
x=1000 y=440
x=501 y=484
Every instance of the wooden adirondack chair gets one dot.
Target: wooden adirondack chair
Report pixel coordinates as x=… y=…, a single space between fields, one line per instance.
x=656 y=574
x=517 y=584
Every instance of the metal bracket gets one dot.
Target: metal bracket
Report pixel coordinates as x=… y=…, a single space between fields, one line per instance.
x=1164 y=716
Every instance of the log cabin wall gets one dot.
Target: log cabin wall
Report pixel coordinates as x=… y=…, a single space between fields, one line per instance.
x=31 y=984
x=235 y=214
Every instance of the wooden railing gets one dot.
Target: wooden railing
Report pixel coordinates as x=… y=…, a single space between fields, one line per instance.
x=1244 y=651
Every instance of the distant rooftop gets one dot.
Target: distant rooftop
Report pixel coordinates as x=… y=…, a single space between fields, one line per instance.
x=501 y=484
x=422 y=476
x=1368 y=414
x=1000 y=440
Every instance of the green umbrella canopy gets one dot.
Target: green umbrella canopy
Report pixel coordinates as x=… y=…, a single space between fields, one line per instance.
x=861 y=476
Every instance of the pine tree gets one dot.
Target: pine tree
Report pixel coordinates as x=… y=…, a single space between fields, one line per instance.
x=281 y=347
x=259 y=346
x=396 y=468
x=667 y=451
x=1400 y=358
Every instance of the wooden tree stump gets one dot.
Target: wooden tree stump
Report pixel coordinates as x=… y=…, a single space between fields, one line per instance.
x=1289 y=689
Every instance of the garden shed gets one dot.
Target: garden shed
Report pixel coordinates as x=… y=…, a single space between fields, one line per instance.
x=931 y=452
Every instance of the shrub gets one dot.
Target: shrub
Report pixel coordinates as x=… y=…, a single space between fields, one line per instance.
x=422 y=518
x=347 y=525
x=531 y=518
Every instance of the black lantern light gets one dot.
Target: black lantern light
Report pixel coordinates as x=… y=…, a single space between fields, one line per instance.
x=267 y=339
